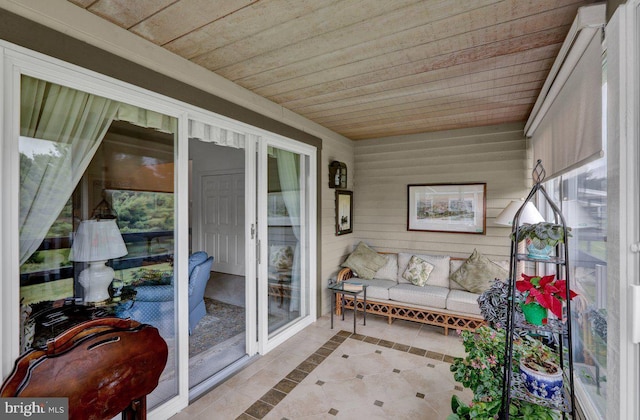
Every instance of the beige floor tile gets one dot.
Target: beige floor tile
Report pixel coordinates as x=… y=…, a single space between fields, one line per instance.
x=305 y=400
x=410 y=407
x=373 y=382
x=441 y=401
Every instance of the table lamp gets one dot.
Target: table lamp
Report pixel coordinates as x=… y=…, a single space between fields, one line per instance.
x=529 y=214
x=97 y=241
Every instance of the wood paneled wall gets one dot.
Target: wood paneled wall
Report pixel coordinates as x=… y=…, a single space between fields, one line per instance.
x=333 y=248
x=384 y=167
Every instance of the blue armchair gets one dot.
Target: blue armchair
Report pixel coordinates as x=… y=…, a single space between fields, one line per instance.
x=199 y=272
x=154 y=304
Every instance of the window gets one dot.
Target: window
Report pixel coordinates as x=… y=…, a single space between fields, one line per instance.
x=582 y=197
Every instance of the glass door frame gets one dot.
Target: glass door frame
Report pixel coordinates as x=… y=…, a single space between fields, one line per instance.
x=14 y=62
x=308 y=214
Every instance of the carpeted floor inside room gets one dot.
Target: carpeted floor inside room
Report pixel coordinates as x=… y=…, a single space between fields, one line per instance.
x=222 y=322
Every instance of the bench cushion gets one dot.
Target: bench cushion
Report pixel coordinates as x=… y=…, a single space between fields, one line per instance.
x=463 y=301
x=389 y=271
x=432 y=296
x=378 y=289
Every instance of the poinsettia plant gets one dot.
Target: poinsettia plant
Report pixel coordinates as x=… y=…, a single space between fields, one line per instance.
x=547 y=291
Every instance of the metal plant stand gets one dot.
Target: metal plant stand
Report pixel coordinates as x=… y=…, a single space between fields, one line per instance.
x=556 y=331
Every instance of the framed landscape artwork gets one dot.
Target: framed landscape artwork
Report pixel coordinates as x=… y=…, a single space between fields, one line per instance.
x=344 y=212
x=457 y=208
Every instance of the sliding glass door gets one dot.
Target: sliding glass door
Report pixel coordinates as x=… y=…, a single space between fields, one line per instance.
x=286 y=277
x=96 y=216
x=84 y=155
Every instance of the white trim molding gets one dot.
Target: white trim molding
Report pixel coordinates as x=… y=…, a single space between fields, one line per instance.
x=589 y=20
x=623 y=360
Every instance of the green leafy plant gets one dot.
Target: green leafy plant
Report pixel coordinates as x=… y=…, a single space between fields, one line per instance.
x=151 y=277
x=542 y=234
x=482 y=371
x=539 y=356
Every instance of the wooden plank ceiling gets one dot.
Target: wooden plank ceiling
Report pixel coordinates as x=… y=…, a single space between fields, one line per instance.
x=366 y=68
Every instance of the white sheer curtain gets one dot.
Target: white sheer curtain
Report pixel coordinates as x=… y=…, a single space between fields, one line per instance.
x=146 y=118
x=61 y=128
x=288 y=172
x=217 y=135
x=60 y=131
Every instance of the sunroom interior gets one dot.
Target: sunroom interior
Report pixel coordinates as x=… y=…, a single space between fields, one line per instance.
x=192 y=162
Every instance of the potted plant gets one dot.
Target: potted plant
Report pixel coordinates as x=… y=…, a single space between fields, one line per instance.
x=482 y=371
x=540 y=371
x=494 y=304
x=542 y=294
x=541 y=238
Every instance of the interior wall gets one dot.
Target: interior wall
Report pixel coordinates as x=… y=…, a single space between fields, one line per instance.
x=211 y=157
x=385 y=166
x=334 y=249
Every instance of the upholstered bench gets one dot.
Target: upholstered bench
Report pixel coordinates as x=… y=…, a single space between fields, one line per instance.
x=401 y=288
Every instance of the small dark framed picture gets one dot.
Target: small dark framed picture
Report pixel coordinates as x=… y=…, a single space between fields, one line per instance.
x=344 y=212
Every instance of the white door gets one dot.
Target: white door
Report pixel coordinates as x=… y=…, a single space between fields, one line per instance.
x=222 y=216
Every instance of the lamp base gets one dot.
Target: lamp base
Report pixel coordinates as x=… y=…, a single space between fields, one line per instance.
x=96 y=280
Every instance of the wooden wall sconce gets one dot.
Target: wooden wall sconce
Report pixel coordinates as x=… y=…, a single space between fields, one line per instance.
x=337 y=175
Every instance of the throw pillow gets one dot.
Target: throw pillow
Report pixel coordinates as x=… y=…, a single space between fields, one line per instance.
x=438 y=277
x=364 y=261
x=477 y=273
x=281 y=257
x=417 y=271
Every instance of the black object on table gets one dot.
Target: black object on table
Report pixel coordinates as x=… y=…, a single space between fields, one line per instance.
x=353 y=289
x=54 y=317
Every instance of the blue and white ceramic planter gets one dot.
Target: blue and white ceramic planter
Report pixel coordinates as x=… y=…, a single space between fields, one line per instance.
x=537 y=253
x=542 y=384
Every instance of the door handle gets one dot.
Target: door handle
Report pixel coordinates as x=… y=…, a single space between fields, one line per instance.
x=258 y=250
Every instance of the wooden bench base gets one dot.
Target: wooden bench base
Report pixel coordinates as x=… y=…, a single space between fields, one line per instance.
x=425 y=316
x=280 y=290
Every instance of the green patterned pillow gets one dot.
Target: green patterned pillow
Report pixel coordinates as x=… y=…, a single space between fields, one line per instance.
x=417 y=271
x=477 y=273
x=364 y=261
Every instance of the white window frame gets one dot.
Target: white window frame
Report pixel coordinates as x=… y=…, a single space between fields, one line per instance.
x=623 y=83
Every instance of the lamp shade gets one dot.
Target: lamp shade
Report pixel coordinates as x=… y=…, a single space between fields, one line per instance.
x=529 y=214
x=97 y=240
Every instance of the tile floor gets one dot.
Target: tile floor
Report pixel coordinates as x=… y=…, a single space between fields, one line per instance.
x=398 y=371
